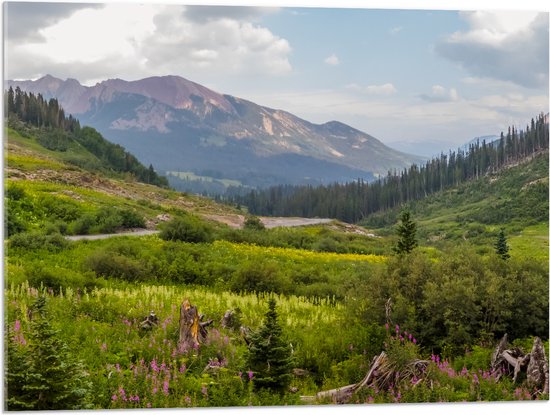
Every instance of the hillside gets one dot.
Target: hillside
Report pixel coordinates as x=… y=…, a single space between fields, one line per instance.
x=85 y=301
x=515 y=199
x=189 y=130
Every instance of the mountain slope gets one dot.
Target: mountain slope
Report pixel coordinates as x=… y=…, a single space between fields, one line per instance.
x=179 y=125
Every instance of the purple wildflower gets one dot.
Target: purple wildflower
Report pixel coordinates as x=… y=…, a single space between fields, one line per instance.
x=165 y=387
x=250 y=375
x=17 y=326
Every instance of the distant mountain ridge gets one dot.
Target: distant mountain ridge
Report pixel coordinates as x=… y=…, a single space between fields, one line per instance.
x=179 y=125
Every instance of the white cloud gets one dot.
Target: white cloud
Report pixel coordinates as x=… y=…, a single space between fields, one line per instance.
x=332 y=60
x=504 y=45
x=440 y=94
x=132 y=41
x=383 y=90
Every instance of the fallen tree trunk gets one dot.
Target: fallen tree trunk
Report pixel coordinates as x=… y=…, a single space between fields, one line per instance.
x=344 y=393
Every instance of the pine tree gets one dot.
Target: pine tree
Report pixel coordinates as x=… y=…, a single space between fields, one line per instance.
x=270 y=357
x=53 y=379
x=407 y=234
x=501 y=245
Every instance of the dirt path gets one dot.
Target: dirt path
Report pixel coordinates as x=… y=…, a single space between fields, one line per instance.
x=268 y=222
x=291 y=222
x=140 y=232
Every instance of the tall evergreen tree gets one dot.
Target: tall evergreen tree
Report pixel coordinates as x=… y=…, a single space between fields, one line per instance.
x=270 y=356
x=407 y=234
x=501 y=245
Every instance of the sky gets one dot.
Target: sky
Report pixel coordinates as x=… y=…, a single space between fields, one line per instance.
x=420 y=80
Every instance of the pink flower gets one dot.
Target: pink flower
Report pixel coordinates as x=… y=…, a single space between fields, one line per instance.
x=387 y=326
x=165 y=387
x=250 y=374
x=16 y=326
x=204 y=391
x=182 y=368
x=103 y=347
x=414 y=340
x=154 y=365
x=397 y=328
x=114 y=397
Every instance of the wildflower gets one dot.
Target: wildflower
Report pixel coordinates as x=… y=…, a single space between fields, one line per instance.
x=410 y=336
x=182 y=368
x=241 y=375
x=103 y=347
x=114 y=397
x=17 y=326
x=414 y=340
x=250 y=375
x=204 y=391
x=397 y=328
x=165 y=387
x=188 y=400
x=154 y=365
x=370 y=399
x=387 y=326
x=155 y=390
x=148 y=404
x=475 y=379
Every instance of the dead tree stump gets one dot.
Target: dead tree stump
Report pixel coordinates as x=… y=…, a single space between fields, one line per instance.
x=537 y=369
x=189 y=327
x=192 y=331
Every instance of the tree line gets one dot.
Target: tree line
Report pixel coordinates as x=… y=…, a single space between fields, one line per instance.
x=353 y=201
x=57 y=132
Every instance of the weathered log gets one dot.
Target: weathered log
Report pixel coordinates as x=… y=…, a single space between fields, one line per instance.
x=537 y=369
x=375 y=365
x=496 y=358
x=189 y=326
x=344 y=393
x=535 y=364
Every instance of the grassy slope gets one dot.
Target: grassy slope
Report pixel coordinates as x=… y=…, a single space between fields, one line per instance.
x=40 y=172
x=515 y=199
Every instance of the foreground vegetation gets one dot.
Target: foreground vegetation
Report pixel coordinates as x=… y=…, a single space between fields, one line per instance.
x=74 y=309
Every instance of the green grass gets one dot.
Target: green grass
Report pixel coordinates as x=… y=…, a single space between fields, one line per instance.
x=531 y=242
x=188 y=175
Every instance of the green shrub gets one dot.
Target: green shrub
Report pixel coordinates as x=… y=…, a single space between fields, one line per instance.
x=131 y=219
x=84 y=224
x=109 y=264
x=35 y=240
x=255 y=276
x=254 y=223
x=187 y=229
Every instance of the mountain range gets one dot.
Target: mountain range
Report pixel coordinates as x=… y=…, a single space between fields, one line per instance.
x=189 y=131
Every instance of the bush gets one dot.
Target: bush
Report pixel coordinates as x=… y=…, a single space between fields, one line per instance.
x=131 y=219
x=108 y=264
x=254 y=223
x=34 y=240
x=258 y=277
x=83 y=225
x=187 y=229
